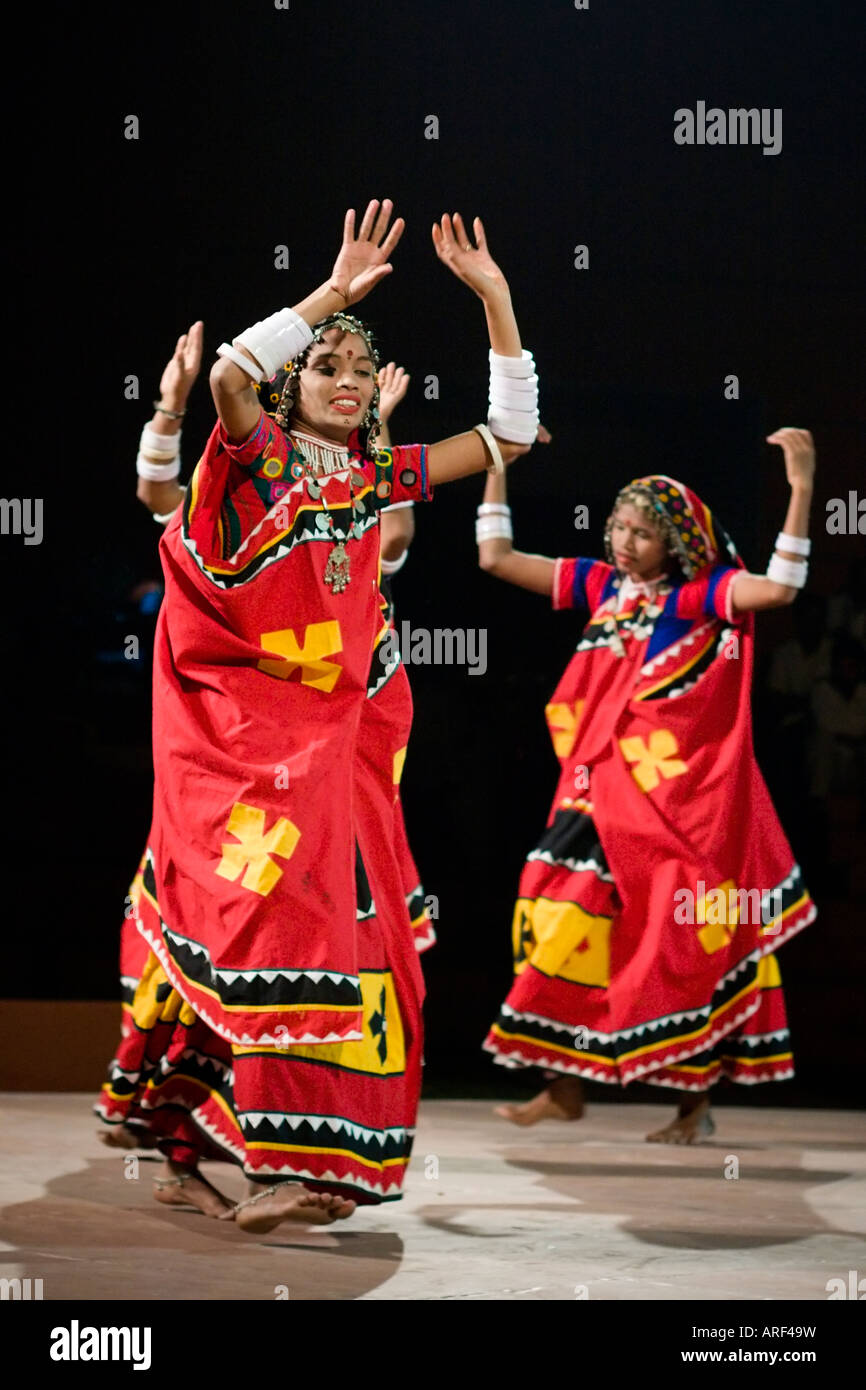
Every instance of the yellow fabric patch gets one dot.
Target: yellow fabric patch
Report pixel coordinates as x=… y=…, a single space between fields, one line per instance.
x=399 y=760
x=252 y=856
x=654 y=759
x=560 y=939
x=562 y=721
x=769 y=975
x=719 y=910
x=320 y=640
x=148 y=1010
x=381 y=1051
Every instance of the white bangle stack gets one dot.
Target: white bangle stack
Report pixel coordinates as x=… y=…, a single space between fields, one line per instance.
x=792 y=573
x=493 y=523
x=800 y=545
x=158 y=456
x=272 y=341
x=513 y=411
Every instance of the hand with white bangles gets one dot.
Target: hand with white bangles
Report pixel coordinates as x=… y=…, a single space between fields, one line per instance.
x=789 y=567
x=513 y=413
x=158 y=463
x=362 y=262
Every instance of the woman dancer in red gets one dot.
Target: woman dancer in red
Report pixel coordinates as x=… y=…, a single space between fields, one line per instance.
x=162 y=495
x=649 y=911
x=286 y=1023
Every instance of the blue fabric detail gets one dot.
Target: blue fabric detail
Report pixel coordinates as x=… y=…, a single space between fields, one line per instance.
x=609 y=586
x=667 y=630
x=424 y=493
x=717 y=574
x=578 y=588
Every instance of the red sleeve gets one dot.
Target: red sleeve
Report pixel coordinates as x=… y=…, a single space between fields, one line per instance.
x=266 y=441
x=581 y=583
x=563 y=583
x=709 y=595
x=401 y=475
x=234 y=486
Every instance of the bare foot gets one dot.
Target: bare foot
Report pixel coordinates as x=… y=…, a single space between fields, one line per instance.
x=291 y=1202
x=185 y=1187
x=562 y=1099
x=693 y=1124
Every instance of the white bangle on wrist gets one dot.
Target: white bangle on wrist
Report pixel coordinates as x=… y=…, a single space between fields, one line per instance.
x=232 y=353
x=791 y=573
x=513 y=398
x=157 y=472
x=800 y=545
x=496 y=533
x=498 y=465
x=493 y=509
x=515 y=426
x=522 y=366
x=276 y=340
x=161 y=446
x=513 y=394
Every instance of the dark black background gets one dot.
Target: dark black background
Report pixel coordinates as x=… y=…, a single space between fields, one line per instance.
x=259 y=127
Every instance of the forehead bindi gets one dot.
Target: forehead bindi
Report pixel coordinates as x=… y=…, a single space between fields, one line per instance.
x=627 y=515
x=347 y=347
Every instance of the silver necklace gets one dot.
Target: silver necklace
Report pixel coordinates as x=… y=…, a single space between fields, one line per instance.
x=320 y=457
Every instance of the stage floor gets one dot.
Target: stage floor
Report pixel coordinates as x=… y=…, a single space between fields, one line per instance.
x=490 y=1212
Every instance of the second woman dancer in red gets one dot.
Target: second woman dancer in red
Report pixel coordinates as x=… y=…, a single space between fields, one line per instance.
x=648 y=913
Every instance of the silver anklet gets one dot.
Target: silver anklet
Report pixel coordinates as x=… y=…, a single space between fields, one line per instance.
x=162 y=1183
x=251 y=1201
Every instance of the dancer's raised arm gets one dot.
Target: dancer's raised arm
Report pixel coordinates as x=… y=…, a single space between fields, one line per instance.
x=786 y=573
x=513 y=418
x=258 y=353
x=159 y=450
x=496 y=553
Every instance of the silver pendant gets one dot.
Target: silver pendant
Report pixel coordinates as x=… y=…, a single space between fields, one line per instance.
x=337 y=569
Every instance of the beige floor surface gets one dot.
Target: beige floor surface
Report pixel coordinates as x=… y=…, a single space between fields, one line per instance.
x=587 y=1210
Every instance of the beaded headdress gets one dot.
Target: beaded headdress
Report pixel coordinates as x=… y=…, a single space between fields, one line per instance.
x=692 y=535
x=278 y=396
